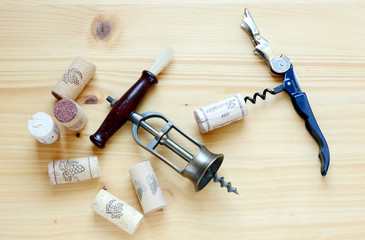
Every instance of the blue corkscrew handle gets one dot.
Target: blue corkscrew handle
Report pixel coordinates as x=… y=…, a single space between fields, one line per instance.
x=301 y=105
x=282 y=66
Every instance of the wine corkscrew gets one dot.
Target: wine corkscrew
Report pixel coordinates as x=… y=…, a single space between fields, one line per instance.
x=201 y=167
x=232 y=109
x=261 y=95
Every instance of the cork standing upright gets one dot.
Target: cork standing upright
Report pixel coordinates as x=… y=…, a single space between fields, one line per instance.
x=43 y=128
x=74 y=79
x=70 y=114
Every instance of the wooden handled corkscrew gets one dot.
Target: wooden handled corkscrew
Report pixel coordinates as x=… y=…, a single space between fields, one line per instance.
x=119 y=114
x=202 y=166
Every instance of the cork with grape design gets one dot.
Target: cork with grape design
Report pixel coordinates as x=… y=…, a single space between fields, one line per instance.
x=73 y=170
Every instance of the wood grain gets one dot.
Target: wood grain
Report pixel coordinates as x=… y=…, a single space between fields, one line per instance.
x=269 y=156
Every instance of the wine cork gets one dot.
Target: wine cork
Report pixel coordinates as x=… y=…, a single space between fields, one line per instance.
x=75 y=79
x=147 y=188
x=43 y=128
x=70 y=114
x=117 y=211
x=73 y=170
x=221 y=113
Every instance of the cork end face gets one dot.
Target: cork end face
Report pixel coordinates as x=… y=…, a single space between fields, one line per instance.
x=155 y=209
x=90 y=65
x=65 y=110
x=140 y=165
x=40 y=124
x=201 y=121
x=51 y=174
x=133 y=230
x=42 y=127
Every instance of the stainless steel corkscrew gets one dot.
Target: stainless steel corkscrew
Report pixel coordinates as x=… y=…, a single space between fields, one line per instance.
x=283 y=67
x=202 y=167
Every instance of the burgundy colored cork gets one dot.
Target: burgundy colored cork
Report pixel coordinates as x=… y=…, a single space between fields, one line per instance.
x=65 y=110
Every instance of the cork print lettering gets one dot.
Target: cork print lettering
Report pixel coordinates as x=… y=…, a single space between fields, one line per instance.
x=231 y=104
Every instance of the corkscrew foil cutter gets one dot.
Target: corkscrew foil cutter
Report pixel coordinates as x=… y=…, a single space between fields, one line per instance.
x=283 y=67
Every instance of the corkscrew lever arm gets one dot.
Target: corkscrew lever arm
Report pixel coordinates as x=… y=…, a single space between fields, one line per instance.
x=301 y=105
x=291 y=85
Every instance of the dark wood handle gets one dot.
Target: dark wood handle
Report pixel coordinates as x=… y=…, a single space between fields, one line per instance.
x=123 y=108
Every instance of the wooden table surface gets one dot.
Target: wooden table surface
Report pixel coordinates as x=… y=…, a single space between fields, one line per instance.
x=269 y=156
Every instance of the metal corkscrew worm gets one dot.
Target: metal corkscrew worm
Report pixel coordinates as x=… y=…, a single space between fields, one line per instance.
x=262 y=96
x=201 y=167
x=232 y=109
x=224 y=184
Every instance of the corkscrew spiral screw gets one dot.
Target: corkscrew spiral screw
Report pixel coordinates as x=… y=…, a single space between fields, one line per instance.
x=262 y=96
x=225 y=184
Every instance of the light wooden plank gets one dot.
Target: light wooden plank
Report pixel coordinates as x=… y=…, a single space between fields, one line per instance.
x=269 y=157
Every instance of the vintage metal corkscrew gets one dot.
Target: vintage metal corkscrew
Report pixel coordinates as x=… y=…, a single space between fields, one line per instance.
x=283 y=67
x=202 y=166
